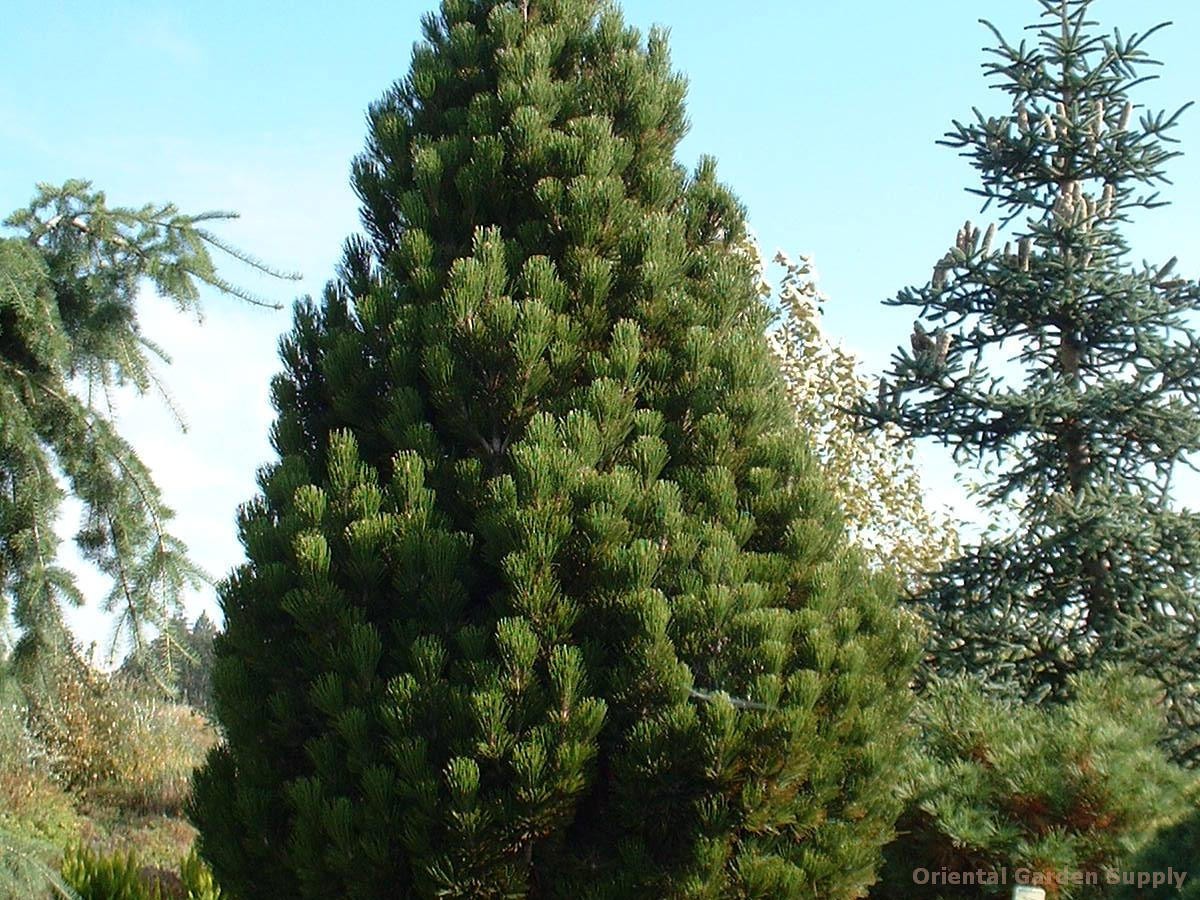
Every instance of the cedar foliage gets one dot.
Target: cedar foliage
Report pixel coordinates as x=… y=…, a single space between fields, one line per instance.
x=545 y=595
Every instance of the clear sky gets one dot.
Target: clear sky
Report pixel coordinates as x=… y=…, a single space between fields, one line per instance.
x=823 y=117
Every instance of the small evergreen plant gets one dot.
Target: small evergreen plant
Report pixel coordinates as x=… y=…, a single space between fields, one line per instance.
x=999 y=786
x=1176 y=846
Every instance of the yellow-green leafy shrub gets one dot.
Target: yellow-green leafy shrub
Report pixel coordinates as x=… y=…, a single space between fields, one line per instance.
x=123 y=877
x=117 y=746
x=80 y=721
x=156 y=756
x=32 y=802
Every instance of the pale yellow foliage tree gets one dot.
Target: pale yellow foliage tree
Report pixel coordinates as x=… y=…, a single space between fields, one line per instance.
x=873 y=473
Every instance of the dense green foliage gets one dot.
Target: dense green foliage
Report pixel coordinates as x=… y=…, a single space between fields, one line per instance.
x=545 y=595
x=95 y=877
x=997 y=787
x=1075 y=373
x=69 y=278
x=1176 y=846
x=122 y=877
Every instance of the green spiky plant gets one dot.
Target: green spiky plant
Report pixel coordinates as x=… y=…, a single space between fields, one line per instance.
x=1074 y=374
x=545 y=595
x=94 y=876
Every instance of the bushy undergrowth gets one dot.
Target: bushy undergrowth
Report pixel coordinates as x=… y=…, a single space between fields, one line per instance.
x=1175 y=846
x=1000 y=787
x=33 y=804
x=37 y=816
x=115 y=744
x=91 y=761
x=162 y=746
x=81 y=723
x=95 y=876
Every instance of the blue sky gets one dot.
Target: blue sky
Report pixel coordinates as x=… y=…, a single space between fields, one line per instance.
x=823 y=118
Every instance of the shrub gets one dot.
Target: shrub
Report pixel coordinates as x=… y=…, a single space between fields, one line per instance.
x=1003 y=786
x=80 y=720
x=1175 y=846
x=156 y=757
x=33 y=803
x=116 y=745
x=117 y=877
x=123 y=877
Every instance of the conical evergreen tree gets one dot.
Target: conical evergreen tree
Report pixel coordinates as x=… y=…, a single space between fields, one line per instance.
x=544 y=595
x=1075 y=374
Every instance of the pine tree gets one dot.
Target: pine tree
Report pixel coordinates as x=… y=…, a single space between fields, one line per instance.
x=1074 y=374
x=177 y=663
x=545 y=595
x=1000 y=785
x=69 y=335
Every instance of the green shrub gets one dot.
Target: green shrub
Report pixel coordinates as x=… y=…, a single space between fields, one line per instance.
x=1175 y=846
x=116 y=877
x=1001 y=787
x=124 y=877
x=198 y=879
